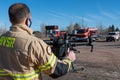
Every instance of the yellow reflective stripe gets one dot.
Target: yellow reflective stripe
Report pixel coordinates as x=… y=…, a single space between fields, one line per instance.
x=67 y=61
x=49 y=64
x=28 y=76
x=3 y=73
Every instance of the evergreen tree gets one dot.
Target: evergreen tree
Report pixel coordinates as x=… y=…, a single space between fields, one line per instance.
x=117 y=29
x=113 y=28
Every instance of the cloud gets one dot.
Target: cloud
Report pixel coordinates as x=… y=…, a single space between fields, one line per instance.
x=59 y=14
x=109 y=15
x=55 y=15
x=85 y=19
x=96 y=17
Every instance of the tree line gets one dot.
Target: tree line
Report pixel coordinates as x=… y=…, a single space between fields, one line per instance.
x=102 y=30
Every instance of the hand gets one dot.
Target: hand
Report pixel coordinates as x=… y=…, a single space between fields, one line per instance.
x=71 y=55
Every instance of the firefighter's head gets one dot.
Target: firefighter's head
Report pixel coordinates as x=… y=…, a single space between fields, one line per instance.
x=19 y=13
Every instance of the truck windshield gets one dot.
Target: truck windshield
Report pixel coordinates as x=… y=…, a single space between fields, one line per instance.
x=53 y=32
x=111 y=33
x=81 y=31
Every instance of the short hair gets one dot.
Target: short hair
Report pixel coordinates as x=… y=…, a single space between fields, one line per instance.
x=18 y=11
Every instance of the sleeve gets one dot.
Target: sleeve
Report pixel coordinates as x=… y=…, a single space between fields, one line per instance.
x=46 y=61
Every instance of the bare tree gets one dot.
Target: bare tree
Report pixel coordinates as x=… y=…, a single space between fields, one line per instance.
x=70 y=28
x=77 y=26
x=43 y=31
x=102 y=30
x=2 y=29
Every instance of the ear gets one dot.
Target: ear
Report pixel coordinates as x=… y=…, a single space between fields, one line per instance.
x=27 y=22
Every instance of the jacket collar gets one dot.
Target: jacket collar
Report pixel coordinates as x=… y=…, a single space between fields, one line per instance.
x=22 y=28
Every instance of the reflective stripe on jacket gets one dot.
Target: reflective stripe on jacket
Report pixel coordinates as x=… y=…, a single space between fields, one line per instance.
x=27 y=76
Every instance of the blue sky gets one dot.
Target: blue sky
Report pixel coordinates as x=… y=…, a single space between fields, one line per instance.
x=65 y=12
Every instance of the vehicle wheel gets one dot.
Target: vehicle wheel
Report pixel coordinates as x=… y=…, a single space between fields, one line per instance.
x=117 y=39
x=107 y=40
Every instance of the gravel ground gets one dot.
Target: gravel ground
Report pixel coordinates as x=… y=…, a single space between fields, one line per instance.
x=102 y=64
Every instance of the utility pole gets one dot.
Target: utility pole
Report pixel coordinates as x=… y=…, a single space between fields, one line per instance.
x=82 y=21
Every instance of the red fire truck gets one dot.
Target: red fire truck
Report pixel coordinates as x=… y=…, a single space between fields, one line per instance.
x=53 y=31
x=83 y=34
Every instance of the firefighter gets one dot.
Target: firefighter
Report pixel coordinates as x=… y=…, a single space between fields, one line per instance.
x=22 y=55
